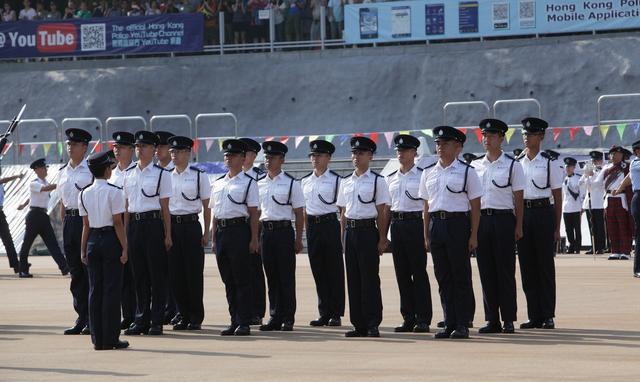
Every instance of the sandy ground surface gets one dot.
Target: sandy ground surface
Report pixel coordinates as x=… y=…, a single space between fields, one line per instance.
x=597 y=337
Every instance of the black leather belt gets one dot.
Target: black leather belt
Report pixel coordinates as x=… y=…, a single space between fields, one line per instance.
x=271 y=225
x=360 y=223
x=103 y=229
x=75 y=212
x=412 y=215
x=491 y=211
x=444 y=215
x=40 y=209
x=179 y=219
x=149 y=215
x=317 y=219
x=537 y=203
x=224 y=223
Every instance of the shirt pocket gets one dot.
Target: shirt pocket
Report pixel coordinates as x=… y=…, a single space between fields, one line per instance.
x=236 y=192
x=365 y=191
x=455 y=182
x=412 y=187
x=327 y=190
x=281 y=192
x=149 y=185
x=539 y=176
x=84 y=180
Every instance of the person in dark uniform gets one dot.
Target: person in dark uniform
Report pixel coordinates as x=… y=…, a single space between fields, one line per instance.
x=320 y=188
x=147 y=188
x=103 y=251
x=75 y=176
x=37 y=221
x=572 y=205
x=5 y=233
x=123 y=148
x=258 y=288
x=501 y=211
x=593 y=203
x=633 y=179
x=280 y=199
x=451 y=190
x=540 y=227
x=234 y=201
x=407 y=243
x=191 y=191
x=362 y=199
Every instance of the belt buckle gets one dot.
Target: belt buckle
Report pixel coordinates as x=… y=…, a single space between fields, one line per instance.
x=316 y=219
x=178 y=219
x=351 y=223
x=400 y=216
x=270 y=226
x=443 y=215
x=489 y=211
x=222 y=223
x=137 y=216
x=528 y=203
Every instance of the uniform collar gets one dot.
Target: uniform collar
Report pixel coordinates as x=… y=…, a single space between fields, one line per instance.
x=365 y=175
x=237 y=176
x=125 y=167
x=100 y=181
x=413 y=170
x=280 y=175
x=83 y=163
x=324 y=174
x=501 y=158
x=454 y=164
x=149 y=166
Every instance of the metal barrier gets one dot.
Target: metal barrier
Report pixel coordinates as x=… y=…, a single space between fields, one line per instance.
x=614 y=96
x=172 y=117
x=50 y=121
x=519 y=100
x=464 y=103
x=111 y=120
x=199 y=118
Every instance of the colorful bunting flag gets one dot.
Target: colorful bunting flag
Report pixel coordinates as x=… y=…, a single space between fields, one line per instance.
x=33 y=147
x=509 y=133
x=343 y=138
x=588 y=130
x=196 y=145
x=329 y=138
x=374 y=137
x=389 y=137
x=298 y=140
x=572 y=132
x=6 y=148
x=478 y=134
x=603 y=130
x=208 y=143
x=284 y=140
x=60 y=148
x=47 y=147
x=427 y=132
x=556 y=133
x=620 y=129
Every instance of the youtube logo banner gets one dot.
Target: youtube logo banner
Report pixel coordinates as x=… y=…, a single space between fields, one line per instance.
x=102 y=36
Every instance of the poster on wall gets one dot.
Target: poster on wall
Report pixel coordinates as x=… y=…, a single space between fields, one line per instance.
x=468 y=17
x=401 y=21
x=500 y=15
x=527 y=13
x=368 y=23
x=434 y=19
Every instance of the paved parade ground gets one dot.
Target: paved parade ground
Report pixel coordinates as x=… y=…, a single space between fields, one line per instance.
x=597 y=337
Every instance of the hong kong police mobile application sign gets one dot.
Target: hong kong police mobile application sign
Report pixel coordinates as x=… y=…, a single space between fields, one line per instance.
x=117 y=35
x=447 y=19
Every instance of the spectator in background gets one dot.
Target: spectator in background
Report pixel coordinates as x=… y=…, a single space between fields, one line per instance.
x=185 y=6
x=239 y=23
x=258 y=29
x=170 y=7
x=83 y=12
x=305 y=19
x=54 y=13
x=209 y=9
x=336 y=18
x=115 y=10
x=8 y=14
x=278 y=19
x=28 y=13
x=101 y=9
x=292 y=21
x=41 y=13
x=135 y=9
x=70 y=11
x=316 y=5
x=153 y=9
x=124 y=8
x=225 y=8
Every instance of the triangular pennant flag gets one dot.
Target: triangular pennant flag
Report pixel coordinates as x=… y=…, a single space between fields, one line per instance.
x=110 y=145
x=572 y=132
x=299 y=140
x=267 y=139
x=47 y=147
x=97 y=147
x=374 y=137
x=220 y=144
x=60 y=148
x=478 y=134
x=313 y=137
x=284 y=140
x=588 y=130
x=329 y=138
x=208 y=143
x=33 y=146
x=464 y=130
x=603 y=130
x=556 y=133
x=509 y=133
x=427 y=132
x=343 y=138
x=21 y=148
x=621 y=127
x=6 y=148
x=389 y=137
x=196 y=145
x=356 y=134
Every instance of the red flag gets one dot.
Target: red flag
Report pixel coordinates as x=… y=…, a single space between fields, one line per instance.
x=464 y=130
x=572 y=132
x=98 y=147
x=478 y=134
x=374 y=137
x=284 y=140
x=196 y=144
x=556 y=133
x=20 y=149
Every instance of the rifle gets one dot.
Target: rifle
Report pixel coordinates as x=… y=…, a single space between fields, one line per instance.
x=12 y=127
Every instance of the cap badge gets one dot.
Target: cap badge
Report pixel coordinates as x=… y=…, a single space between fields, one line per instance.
x=141 y=136
x=401 y=141
x=71 y=134
x=269 y=147
x=357 y=143
x=229 y=146
x=488 y=125
x=528 y=124
x=117 y=137
x=315 y=145
x=440 y=132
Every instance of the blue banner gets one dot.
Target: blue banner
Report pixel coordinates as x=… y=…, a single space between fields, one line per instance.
x=446 y=19
x=102 y=36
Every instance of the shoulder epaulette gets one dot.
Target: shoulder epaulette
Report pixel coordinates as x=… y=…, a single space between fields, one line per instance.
x=245 y=174
x=220 y=177
x=306 y=176
x=336 y=174
x=63 y=166
x=194 y=168
x=465 y=163
x=289 y=175
x=547 y=156
x=113 y=185
x=376 y=174
x=392 y=174
x=160 y=167
x=132 y=167
x=258 y=170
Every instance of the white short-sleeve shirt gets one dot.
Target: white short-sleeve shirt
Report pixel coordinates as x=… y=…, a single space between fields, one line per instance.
x=190 y=188
x=499 y=179
x=100 y=202
x=445 y=188
x=321 y=192
x=279 y=196
x=359 y=195
x=541 y=175
x=231 y=196
x=144 y=188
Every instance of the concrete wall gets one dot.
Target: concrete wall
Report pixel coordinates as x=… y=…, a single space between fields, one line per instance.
x=342 y=90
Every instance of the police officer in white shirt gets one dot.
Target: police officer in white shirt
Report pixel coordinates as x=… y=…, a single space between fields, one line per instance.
x=280 y=199
x=593 y=203
x=258 y=287
x=362 y=199
x=191 y=190
x=104 y=251
x=501 y=213
x=324 y=245
x=540 y=227
x=235 y=201
x=452 y=190
x=123 y=148
x=75 y=176
x=37 y=221
x=572 y=205
x=407 y=243
x=5 y=233
x=147 y=188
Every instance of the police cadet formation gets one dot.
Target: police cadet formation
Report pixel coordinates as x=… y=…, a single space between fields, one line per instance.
x=134 y=241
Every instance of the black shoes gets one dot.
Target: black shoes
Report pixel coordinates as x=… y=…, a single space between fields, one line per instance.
x=25 y=275
x=508 y=328
x=270 y=326
x=336 y=321
x=86 y=330
x=176 y=319
x=155 y=330
x=444 y=333
x=531 y=325
x=461 y=332
x=125 y=324
x=355 y=333
x=180 y=326
x=491 y=327
x=637 y=274
x=440 y=324
x=229 y=331
x=373 y=332
x=117 y=345
x=287 y=327
x=242 y=330
x=548 y=324
x=256 y=321
x=321 y=321
x=406 y=327
x=421 y=327
x=76 y=329
x=193 y=326
x=64 y=271
x=136 y=330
